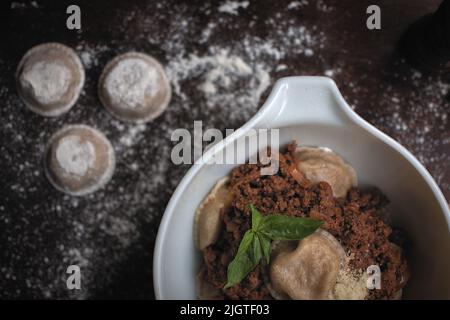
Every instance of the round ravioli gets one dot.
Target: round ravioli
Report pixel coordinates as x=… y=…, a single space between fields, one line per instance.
x=322 y=164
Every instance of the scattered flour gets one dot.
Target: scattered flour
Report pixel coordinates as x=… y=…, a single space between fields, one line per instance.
x=322 y=6
x=75 y=157
x=221 y=76
x=297 y=4
x=86 y=58
x=133 y=135
x=24 y=5
x=234 y=81
x=89 y=53
x=232 y=7
x=332 y=72
x=207 y=31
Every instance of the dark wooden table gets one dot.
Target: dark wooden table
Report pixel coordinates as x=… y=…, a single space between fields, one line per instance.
x=111 y=233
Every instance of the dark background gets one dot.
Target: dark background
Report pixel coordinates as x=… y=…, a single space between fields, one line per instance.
x=111 y=233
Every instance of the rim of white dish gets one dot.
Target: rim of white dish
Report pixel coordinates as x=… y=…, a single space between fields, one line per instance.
x=266 y=107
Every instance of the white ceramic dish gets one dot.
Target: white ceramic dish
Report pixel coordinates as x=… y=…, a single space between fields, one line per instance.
x=312 y=111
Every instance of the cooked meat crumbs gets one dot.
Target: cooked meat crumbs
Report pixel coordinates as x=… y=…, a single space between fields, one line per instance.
x=356 y=221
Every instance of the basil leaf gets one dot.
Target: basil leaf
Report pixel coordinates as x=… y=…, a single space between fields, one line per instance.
x=256 y=218
x=245 y=260
x=238 y=269
x=261 y=243
x=257 y=252
x=246 y=242
x=256 y=242
x=265 y=246
x=279 y=227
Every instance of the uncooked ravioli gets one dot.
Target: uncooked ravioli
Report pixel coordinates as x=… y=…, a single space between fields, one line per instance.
x=321 y=164
x=134 y=87
x=79 y=160
x=49 y=79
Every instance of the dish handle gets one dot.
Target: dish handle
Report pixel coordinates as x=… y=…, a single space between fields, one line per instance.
x=304 y=99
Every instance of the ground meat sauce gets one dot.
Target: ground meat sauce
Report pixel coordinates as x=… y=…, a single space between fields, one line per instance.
x=355 y=221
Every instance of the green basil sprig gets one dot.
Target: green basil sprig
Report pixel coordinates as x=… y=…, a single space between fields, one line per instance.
x=255 y=243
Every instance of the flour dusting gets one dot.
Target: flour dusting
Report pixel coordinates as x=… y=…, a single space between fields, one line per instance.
x=24 y=5
x=74 y=156
x=232 y=7
x=222 y=75
x=130 y=81
x=297 y=4
x=48 y=81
